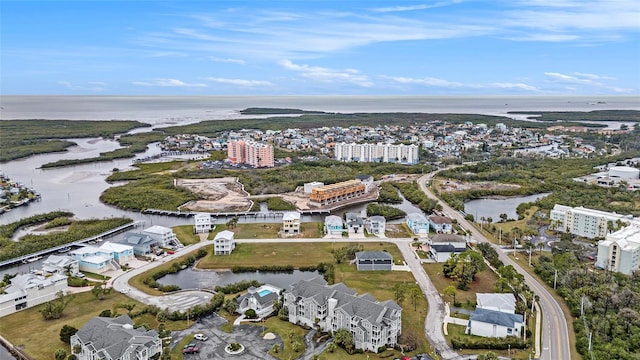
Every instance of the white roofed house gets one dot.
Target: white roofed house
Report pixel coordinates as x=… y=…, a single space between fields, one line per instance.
x=27 y=290
x=202 y=223
x=418 y=223
x=57 y=264
x=224 y=243
x=375 y=225
x=259 y=299
x=354 y=223
x=115 y=339
x=291 y=222
x=121 y=253
x=164 y=235
x=333 y=225
x=95 y=260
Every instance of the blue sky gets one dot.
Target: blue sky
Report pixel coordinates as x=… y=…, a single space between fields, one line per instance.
x=330 y=47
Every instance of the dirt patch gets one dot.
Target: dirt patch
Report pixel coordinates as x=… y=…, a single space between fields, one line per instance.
x=456 y=185
x=218 y=195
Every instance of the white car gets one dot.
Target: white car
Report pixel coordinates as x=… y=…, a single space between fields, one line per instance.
x=200 y=337
x=124 y=291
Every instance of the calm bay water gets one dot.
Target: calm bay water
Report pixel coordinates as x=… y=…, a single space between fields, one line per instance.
x=493 y=207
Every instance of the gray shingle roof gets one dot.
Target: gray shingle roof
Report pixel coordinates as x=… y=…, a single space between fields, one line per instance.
x=373 y=255
x=446 y=248
x=496 y=317
x=115 y=335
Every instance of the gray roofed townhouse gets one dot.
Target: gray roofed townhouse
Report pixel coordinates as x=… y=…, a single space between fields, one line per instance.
x=373 y=324
x=373 y=260
x=115 y=339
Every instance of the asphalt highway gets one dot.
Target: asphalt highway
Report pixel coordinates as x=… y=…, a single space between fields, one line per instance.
x=555 y=332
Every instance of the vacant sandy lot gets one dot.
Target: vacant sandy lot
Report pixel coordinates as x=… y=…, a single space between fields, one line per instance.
x=456 y=185
x=219 y=195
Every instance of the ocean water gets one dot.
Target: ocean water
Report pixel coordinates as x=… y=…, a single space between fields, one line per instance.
x=180 y=110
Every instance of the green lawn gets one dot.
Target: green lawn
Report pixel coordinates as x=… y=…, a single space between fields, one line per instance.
x=40 y=338
x=185 y=234
x=484 y=283
x=515 y=354
x=289 y=333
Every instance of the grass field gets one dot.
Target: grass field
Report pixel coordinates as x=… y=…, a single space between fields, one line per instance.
x=289 y=333
x=458 y=330
x=484 y=283
x=40 y=338
x=185 y=234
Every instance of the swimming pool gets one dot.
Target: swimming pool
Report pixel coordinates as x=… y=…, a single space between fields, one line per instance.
x=264 y=292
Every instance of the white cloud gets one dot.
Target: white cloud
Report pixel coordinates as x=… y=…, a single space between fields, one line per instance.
x=417 y=7
x=94 y=86
x=240 y=82
x=593 y=76
x=436 y=82
x=587 y=81
x=167 y=83
x=327 y=75
x=227 y=60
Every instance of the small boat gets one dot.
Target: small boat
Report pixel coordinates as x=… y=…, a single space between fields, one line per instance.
x=33 y=259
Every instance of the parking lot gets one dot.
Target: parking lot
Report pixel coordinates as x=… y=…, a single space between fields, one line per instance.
x=256 y=348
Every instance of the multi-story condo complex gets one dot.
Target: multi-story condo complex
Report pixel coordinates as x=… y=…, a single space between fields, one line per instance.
x=401 y=153
x=372 y=323
x=620 y=250
x=335 y=193
x=28 y=290
x=585 y=222
x=250 y=153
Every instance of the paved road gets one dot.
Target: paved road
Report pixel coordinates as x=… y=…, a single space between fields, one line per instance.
x=555 y=341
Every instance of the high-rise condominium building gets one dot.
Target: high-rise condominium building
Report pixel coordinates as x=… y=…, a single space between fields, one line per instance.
x=388 y=153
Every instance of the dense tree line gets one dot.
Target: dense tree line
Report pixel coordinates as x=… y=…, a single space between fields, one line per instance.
x=389 y=212
x=152 y=192
x=411 y=191
x=78 y=230
x=604 y=303
x=389 y=194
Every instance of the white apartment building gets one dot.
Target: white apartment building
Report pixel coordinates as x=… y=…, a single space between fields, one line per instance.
x=224 y=243
x=585 y=222
x=620 y=250
x=388 y=153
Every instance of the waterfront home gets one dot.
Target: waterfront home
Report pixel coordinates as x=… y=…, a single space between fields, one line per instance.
x=121 y=253
x=259 y=299
x=354 y=223
x=333 y=225
x=28 y=290
x=291 y=222
x=375 y=225
x=57 y=264
x=202 y=223
x=418 y=223
x=142 y=244
x=163 y=235
x=224 y=243
x=115 y=339
x=92 y=259
x=373 y=260
x=373 y=324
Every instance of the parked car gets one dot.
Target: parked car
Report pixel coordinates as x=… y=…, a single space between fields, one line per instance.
x=190 y=350
x=79 y=275
x=124 y=291
x=189 y=345
x=201 y=337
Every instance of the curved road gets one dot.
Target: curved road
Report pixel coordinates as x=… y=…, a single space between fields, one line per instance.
x=555 y=339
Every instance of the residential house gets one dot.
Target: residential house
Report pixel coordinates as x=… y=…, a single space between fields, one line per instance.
x=224 y=243
x=115 y=339
x=121 y=253
x=491 y=323
x=291 y=222
x=443 y=246
x=373 y=260
x=375 y=225
x=202 y=223
x=93 y=260
x=259 y=299
x=373 y=324
x=495 y=316
x=441 y=224
x=28 y=290
x=333 y=225
x=163 y=235
x=57 y=264
x=143 y=244
x=354 y=223
x=418 y=223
